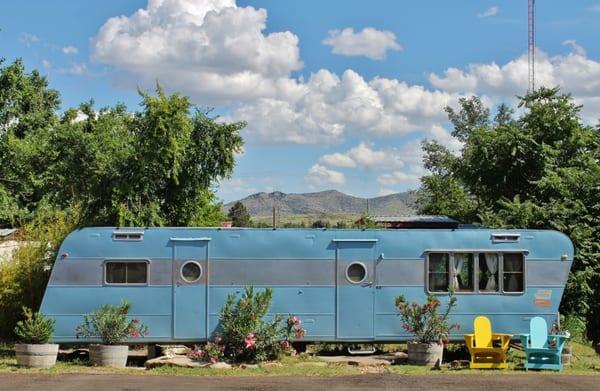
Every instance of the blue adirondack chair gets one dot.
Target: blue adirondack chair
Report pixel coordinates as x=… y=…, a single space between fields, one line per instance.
x=542 y=350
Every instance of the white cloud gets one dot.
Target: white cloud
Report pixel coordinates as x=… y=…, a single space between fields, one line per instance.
x=321 y=175
x=364 y=156
x=398 y=177
x=210 y=49
x=28 y=39
x=219 y=54
x=68 y=50
x=325 y=107
x=574 y=73
x=236 y=186
x=492 y=11
x=369 y=42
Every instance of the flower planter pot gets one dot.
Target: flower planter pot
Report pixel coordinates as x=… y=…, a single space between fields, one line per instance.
x=36 y=355
x=565 y=356
x=109 y=355
x=429 y=354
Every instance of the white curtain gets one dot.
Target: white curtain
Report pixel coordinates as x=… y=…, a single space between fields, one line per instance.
x=491 y=261
x=457 y=265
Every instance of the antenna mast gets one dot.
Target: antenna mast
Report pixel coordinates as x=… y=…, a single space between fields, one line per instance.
x=531 y=45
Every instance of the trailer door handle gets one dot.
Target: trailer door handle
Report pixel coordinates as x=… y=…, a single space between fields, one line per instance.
x=367 y=283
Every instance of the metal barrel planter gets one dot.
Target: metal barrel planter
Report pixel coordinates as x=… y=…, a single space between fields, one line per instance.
x=109 y=355
x=36 y=355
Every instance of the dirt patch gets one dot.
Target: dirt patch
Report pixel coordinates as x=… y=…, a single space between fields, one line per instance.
x=486 y=381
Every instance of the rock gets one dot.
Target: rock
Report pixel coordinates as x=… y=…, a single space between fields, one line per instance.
x=220 y=365
x=248 y=366
x=176 y=361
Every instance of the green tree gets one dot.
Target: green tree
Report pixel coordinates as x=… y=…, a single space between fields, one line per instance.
x=541 y=170
x=27 y=107
x=239 y=215
x=26 y=102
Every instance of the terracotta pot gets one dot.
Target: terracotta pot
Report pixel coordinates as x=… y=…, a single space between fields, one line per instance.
x=109 y=355
x=36 y=355
x=429 y=354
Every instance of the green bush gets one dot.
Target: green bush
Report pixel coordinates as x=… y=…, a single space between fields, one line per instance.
x=247 y=336
x=111 y=324
x=23 y=279
x=424 y=321
x=35 y=328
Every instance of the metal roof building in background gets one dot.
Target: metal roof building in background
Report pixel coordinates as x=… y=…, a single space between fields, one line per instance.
x=421 y=221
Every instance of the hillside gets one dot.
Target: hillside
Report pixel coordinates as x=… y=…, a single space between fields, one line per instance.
x=329 y=202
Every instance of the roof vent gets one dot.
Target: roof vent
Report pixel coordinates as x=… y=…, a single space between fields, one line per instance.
x=505 y=237
x=128 y=235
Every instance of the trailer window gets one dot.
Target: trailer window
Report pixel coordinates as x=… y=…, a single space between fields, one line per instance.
x=126 y=272
x=462 y=272
x=438 y=272
x=512 y=277
x=488 y=272
x=191 y=271
x=356 y=272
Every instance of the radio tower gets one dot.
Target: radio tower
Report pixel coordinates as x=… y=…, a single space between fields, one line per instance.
x=531 y=46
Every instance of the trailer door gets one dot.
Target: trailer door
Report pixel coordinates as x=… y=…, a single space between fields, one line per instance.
x=355 y=288
x=190 y=288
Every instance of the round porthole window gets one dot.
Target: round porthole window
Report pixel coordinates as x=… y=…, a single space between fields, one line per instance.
x=191 y=271
x=356 y=272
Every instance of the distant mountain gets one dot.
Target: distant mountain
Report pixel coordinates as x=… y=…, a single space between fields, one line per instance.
x=327 y=202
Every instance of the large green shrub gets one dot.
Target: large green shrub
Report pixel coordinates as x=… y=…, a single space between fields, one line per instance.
x=425 y=321
x=23 y=278
x=35 y=328
x=248 y=336
x=111 y=324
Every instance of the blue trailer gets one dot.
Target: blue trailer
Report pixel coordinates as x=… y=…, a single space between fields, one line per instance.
x=340 y=283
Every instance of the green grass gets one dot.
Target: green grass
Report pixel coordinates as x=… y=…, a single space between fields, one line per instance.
x=584 y=362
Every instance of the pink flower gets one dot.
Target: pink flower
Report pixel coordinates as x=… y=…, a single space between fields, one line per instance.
x=250 y=341
x=285 y=345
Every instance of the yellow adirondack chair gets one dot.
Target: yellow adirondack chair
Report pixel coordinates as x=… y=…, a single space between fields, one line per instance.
x=488 y=350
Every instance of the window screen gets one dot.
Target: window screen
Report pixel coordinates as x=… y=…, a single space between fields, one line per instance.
x=513 y=272
x=126 y=272
x=438 y=272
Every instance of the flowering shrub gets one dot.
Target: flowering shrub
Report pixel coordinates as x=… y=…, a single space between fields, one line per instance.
x=424 y=321
x=211 y=352
x=247 y=336
x=111 y=324
x=35 y=328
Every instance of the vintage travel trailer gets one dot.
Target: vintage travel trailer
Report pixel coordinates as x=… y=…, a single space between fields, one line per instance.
x=340 y=283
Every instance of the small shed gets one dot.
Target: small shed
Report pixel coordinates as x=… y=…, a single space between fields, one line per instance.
x=8 y=243
x=419 y=221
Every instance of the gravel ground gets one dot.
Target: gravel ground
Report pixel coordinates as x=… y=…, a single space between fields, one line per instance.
x=488 y=382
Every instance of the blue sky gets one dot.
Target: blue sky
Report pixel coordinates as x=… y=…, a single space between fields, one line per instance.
x=337 y=94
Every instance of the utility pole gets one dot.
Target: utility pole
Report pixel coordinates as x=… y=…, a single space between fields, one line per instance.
x=531 y=45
